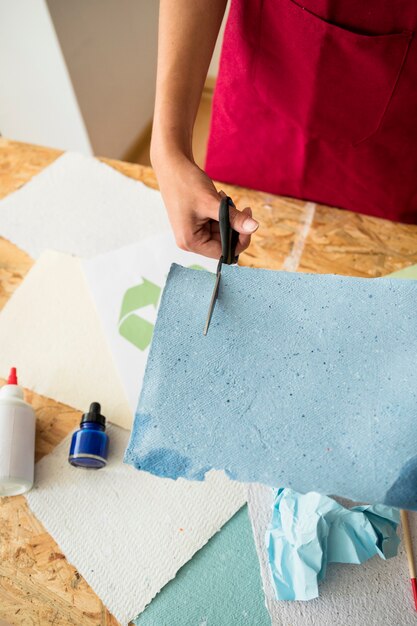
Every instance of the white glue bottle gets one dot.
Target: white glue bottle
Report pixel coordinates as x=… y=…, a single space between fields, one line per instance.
x=17 y=439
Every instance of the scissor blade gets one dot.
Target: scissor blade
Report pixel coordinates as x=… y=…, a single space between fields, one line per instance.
x=212 y=302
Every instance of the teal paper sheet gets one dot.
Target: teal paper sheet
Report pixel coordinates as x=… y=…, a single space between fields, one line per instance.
x=309 y=531
x=220 y=586
x=305 y=381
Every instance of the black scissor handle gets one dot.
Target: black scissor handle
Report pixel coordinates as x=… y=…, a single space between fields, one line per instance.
x=228 y=236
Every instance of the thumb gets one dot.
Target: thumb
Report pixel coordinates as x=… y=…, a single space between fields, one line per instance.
x=242 y=222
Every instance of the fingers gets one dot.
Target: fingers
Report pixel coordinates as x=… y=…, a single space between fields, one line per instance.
x=242 y=221
x=207 y=240
x=201 y=241
x=211 y=248
x=244 y=240
x=201 y=234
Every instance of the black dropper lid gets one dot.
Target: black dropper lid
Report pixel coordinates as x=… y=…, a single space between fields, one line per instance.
x=94 y=415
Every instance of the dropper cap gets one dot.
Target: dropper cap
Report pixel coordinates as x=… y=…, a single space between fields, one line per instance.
x=11 y=391
x=94 y=415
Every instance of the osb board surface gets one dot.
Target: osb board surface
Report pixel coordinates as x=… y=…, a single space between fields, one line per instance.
x=37 y=585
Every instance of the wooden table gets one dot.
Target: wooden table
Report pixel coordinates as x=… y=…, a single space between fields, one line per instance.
x=37 y=584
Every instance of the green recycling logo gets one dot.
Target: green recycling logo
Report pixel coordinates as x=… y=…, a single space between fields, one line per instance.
x=132 y=327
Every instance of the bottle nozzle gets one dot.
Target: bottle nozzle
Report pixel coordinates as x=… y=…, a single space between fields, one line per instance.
x=12 y=380
x=95 y=408
x=94 y=415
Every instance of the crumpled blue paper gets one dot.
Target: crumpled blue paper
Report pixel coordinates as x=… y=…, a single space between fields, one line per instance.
x=308 y=531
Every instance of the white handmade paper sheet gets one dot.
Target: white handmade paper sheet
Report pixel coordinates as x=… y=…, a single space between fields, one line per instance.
x=125 y=531
x=80 y=206
x=126 y=285
x=51 y=332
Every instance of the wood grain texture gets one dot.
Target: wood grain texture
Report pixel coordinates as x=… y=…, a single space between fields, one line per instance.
x=37 y=585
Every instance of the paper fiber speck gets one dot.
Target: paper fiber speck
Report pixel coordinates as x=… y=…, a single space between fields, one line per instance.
x=304 y=381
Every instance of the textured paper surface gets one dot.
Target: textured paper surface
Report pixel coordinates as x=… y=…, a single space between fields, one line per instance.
x=220 y=586
x=409 y=273
x=125 y=531
x=80 y=206
x=309 y=531
x=50 y=331
x=126 y=285
x=379 y=590
x=304 y=381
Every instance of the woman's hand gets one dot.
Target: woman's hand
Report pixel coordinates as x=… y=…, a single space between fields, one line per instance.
x=192 y=202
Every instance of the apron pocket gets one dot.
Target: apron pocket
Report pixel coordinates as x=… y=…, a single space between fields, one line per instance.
x=330 y=81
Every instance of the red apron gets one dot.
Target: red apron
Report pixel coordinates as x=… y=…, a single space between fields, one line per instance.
x=319 y=101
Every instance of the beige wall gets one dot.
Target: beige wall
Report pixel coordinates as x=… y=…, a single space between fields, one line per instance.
x=80 y=74
x=110 y=48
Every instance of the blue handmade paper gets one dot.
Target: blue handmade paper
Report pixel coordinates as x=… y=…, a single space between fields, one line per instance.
x=309 y=531
x=305 y=381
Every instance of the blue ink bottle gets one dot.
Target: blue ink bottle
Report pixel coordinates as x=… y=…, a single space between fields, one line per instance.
x=90 y=444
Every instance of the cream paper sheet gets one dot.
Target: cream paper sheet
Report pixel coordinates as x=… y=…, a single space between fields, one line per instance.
x=51 y=332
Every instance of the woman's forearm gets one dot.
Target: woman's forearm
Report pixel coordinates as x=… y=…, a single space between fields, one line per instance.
x=188 y=31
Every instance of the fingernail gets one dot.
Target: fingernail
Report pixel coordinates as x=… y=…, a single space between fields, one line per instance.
x=249 y=225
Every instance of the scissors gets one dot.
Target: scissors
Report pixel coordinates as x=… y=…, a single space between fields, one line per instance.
x=229 y=239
